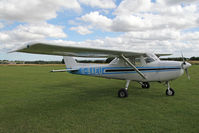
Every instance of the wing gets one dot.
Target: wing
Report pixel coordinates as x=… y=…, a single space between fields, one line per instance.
x=163 y=55
x=52 y=49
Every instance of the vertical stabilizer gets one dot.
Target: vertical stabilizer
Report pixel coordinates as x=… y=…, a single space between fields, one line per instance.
x=70 y=62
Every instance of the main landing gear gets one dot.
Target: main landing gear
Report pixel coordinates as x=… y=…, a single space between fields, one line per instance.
x=145 y=84
x=169 y=91
x=122 y=93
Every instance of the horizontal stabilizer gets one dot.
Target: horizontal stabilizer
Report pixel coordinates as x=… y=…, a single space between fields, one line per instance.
x=64 y=70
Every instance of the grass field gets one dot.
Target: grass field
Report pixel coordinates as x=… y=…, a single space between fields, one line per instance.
x=34 y=100
x=194 y=62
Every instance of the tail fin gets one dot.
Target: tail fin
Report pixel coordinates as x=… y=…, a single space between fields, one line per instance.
x=70 y=62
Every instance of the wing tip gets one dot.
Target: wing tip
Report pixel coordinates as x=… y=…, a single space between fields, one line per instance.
x=25 y=45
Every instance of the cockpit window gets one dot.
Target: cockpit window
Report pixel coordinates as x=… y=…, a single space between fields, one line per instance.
x=149 y=60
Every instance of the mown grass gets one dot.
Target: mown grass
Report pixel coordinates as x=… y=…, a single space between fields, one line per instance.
x=34 y=100
x=194 y=62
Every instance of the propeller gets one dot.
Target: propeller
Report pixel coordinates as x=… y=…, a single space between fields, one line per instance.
x=186 y=70
x=185 y=66
x=183 y=59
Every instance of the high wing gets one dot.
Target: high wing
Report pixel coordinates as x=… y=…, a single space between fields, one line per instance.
x=52 y=49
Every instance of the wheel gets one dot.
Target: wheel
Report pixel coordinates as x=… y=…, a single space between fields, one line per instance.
x=170 y=92
x=122 y=93
x=145 y=85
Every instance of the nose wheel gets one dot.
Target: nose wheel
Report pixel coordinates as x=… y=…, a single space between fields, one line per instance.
x=169 y=91
x=123 y=92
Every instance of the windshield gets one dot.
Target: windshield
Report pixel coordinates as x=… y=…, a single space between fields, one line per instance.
x=150 y=58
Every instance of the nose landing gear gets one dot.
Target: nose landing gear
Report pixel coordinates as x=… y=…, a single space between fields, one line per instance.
x=122 y=93
x=169 y=91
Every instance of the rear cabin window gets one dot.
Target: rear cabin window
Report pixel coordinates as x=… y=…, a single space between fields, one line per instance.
x=135 y=61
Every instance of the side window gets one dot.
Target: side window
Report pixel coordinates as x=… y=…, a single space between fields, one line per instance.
x=114 y=61
x=137 y=62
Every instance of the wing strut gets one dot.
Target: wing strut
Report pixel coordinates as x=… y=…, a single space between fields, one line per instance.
x=128 y=62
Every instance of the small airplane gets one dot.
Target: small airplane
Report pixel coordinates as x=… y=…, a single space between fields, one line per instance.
x=126 y=65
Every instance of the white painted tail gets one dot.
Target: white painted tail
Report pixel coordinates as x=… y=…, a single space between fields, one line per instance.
x=70 y=62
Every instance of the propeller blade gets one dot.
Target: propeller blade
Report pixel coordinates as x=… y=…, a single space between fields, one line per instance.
x=186 y=70
x=185 y=65
x=183 y=59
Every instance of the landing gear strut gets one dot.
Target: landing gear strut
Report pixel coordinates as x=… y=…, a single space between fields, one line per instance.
x=169 y=91
x=122 y=93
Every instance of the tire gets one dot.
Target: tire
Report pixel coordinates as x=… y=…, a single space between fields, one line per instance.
x=122 y=93
x=170 y=93
x=145 y=85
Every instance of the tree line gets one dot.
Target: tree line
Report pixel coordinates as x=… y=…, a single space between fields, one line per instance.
x=108 y=60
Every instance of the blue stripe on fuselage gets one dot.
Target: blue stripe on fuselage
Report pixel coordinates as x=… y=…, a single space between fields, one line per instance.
x=102 y=70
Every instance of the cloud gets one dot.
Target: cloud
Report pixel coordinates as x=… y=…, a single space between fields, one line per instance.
x=153 y=35
x=174 y=10
x=1 y=25
x=175 y=2
x=127 y=23
x=190 y=36
x=41 y=30
x=4 y=37
x=24 y=33
x=97 y=20
x=81 y=30
x=104 y=4
x=145 y=16
x=133 y=6
x=34 y=10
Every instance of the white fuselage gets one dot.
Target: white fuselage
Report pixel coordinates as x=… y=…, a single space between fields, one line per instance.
x=154 y=71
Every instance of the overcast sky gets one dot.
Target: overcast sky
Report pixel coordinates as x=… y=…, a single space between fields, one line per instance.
x=159 y=26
